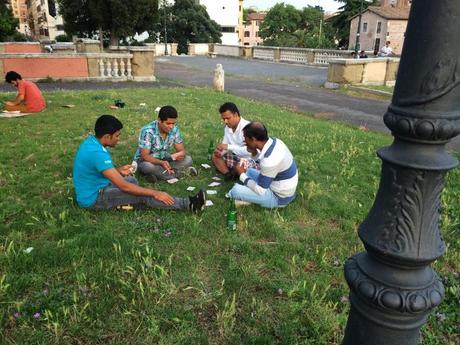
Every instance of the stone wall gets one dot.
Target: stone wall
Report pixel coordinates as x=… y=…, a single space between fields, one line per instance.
x=380 y=71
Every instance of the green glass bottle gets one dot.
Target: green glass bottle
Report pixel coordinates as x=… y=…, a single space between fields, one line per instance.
x=231 y=216
x=210 y=149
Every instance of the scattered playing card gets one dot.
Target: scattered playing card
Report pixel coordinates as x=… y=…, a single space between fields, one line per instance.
x=157 y=109
x=172 y=180
x=142 y=104
x=206 y=166
x=133 y=167
x=214 y=184
x=216 y=178
x=69 y=106
x=113 y=107
x=211 y=191
x=28 y=250
x=209 y=203
x=190 y=189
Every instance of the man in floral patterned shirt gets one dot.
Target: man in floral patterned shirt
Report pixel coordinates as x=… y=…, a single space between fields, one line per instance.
x=153 y=154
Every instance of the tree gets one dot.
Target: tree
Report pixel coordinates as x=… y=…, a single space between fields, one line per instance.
x=247 y=12
x=286 y=26
x=8 y=23
x=341 y=21
x=120 y=18
x=186 y=22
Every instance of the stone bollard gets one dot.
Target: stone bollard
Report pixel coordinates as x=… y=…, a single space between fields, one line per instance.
x=219 y=78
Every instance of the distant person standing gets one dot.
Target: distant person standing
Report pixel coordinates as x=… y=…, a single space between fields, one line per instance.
x=29 y=98
x=386 y=50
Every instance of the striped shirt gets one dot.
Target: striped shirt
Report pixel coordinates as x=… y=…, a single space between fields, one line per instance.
x=278 y=172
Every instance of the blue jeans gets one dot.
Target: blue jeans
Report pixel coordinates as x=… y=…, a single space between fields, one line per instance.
x=241 y=192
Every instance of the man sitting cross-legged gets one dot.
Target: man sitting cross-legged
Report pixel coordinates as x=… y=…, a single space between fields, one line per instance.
x=29 y=98
x=276 y=182
x=155 y=142
x=232 y=150
x=99 y=185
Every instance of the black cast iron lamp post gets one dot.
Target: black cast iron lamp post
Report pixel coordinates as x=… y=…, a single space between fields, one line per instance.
x=392 y=285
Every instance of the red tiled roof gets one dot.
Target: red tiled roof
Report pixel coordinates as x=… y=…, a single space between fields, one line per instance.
x=257 y=16
x=390 y=12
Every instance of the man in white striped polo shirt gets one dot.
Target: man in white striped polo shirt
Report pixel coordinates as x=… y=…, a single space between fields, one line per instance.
x=276 y=182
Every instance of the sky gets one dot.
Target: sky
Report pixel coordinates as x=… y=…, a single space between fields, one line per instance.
x=327 y=5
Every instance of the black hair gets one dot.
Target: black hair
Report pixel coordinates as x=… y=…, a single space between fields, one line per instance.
x=107 y=124
x=12 y=75
x=256 y=130
x=167 y=112
x=229 y=106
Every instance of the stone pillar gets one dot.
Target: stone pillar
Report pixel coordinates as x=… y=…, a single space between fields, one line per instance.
x=276 y=54
x=219 y=78
x=173 y=48
x=83 y=45
x=393 y=287
x=191 y=49
x=142 y=63
x=248 y=52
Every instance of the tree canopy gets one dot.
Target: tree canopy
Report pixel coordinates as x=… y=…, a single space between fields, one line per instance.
x=341 y=21
x=120 y=18
x=8 y=23
x=187 y=22
x=286 y=26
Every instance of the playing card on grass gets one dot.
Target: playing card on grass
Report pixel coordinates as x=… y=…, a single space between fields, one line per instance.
x=191 y=188
x=172 y=180
x=211 y=191
x=214 y=184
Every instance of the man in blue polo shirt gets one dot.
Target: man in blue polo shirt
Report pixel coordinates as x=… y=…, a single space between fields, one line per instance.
x=99 y=185
x=274 y=185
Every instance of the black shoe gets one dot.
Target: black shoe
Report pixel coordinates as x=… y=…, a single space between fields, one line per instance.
x=229 y=176
x=151 y=178
x=197 y=201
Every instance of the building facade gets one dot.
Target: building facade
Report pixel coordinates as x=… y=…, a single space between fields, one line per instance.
x=228 y=14
x=43 y=19
x=19 y=8
x=380 y=24
x=251 y=29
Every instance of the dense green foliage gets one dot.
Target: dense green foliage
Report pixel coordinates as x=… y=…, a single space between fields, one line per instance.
x=8 y=23
x=159 y=277
x=186 y=22
x=286 y=26
x=119 y=18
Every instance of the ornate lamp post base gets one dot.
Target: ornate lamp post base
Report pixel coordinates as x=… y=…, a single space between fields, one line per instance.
x=392 y=285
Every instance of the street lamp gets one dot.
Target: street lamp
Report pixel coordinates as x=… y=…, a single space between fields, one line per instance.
x=358 y=33
x=393 y=287
x=165 y=27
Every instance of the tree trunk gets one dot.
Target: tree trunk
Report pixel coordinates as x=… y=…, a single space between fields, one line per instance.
x=114 y=39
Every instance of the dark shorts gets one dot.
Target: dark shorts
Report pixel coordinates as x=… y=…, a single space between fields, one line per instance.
x=231 y=160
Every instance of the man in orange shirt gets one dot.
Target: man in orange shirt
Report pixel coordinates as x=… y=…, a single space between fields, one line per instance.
x=29 y=98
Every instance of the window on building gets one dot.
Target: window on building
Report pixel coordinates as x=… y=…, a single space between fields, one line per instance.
x=246 y=43
x=364 y=27
x=379 y=27
x=247 y=34
x=228 y=29
x=60 y=27
x=377 y=44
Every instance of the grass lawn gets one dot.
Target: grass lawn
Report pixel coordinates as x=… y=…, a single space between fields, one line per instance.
x=120 y=278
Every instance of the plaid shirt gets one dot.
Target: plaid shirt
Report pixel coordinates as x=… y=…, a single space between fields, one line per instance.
x=151 y=139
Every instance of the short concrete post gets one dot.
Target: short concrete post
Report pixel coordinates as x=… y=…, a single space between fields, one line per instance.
x=219 y=78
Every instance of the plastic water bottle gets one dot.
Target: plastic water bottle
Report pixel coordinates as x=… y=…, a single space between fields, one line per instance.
x=210 y=149
x=231 y=216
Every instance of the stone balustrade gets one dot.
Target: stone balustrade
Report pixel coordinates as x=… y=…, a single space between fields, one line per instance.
x=277 y=54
